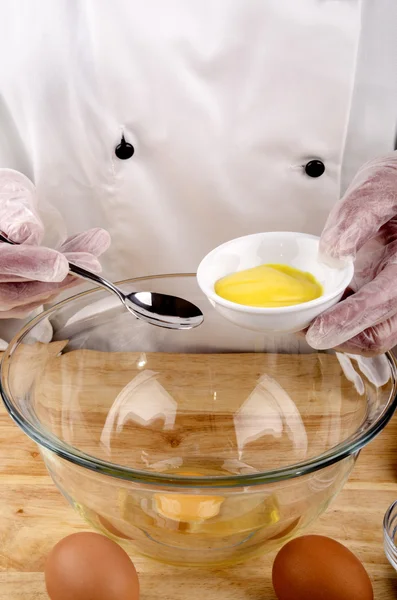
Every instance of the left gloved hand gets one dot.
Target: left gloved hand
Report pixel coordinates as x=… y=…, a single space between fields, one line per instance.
x=362 y=227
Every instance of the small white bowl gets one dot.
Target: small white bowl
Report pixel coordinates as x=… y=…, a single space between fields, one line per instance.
x=299 y=250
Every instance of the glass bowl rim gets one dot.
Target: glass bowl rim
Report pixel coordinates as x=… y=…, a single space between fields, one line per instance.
x=388 y=540
x=65 y=451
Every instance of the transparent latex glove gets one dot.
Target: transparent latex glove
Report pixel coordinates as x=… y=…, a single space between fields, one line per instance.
x=31 y=275
x=362 y=227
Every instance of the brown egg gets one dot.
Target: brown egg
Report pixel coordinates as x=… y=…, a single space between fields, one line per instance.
x=314 y=567
x=89 y=566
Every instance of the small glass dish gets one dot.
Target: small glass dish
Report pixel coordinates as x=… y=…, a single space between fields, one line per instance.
x=390 y=534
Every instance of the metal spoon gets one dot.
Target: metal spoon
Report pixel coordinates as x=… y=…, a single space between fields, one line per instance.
x=162 y=310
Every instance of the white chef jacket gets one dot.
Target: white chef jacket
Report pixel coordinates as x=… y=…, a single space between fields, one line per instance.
x=226 y=104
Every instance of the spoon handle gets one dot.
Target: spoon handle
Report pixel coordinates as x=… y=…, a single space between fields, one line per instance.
x=97 y=279
x=79 y=272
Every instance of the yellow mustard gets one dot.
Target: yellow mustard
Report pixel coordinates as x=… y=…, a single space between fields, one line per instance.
x=269 y=286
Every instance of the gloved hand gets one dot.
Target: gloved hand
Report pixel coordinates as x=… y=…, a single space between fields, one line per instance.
x=362 y=227
x=30 y=274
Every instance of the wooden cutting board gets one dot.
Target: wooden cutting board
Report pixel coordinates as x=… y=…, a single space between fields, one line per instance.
x=33 y=517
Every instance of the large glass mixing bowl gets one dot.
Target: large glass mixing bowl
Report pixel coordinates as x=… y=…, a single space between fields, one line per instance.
x=200 y=447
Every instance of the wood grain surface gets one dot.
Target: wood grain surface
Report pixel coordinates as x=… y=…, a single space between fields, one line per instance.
x=34 y=516
x=221 y=400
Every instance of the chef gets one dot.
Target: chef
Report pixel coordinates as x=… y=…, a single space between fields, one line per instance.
x=175 y=126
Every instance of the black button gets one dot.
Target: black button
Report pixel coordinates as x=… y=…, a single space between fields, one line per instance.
x=124 y=150
x=315 y=168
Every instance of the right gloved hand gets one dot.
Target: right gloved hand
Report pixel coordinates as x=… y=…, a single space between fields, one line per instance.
x=30 y=274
